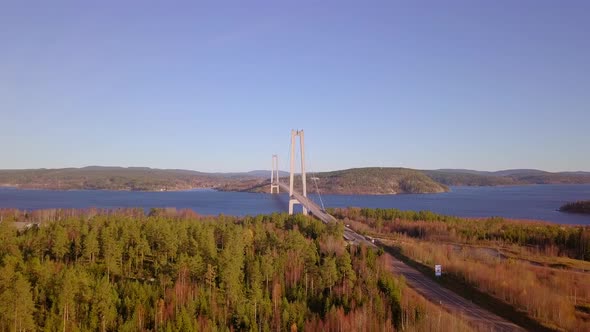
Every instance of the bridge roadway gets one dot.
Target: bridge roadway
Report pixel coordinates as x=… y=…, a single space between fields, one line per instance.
x=322 y=215
x=435 y=293
x=310 y=205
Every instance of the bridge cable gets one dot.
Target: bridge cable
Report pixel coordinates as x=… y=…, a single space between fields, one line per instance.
x=315 y=181
x=287 y=160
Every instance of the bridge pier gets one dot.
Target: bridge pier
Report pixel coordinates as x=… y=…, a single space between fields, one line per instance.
x=292 y=202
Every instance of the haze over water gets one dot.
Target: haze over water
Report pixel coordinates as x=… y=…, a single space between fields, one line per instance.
x=535 y=202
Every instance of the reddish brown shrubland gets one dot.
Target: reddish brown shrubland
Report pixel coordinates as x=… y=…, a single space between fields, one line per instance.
x=510 y=260
x=546 y=294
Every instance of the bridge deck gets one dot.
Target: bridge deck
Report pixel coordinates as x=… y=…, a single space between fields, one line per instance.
x=310 y=205
x=349 y=234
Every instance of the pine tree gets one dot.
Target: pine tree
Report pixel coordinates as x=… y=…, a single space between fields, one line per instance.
x=104 y=304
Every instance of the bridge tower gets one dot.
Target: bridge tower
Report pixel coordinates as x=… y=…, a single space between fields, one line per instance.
x=274 y=174
x=292 y=199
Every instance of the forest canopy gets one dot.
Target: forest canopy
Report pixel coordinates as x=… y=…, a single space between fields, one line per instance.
x=167 y=270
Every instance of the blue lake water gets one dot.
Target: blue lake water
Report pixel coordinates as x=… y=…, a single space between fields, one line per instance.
x=536 y=202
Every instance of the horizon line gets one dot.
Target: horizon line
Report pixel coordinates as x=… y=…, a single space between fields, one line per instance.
x=459 y=170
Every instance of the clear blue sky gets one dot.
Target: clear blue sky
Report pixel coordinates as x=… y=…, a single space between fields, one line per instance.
x=217 y=87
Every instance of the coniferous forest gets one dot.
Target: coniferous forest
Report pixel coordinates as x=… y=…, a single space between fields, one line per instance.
x=169 y=270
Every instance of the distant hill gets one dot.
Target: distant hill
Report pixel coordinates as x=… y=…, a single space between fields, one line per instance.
x=378 y=180
x=519 y=172
x=265 y=173
x=260 y=174
x=467 y=178
x=361 y=181
x=576 y=173
x=370 y=180
x=462 y=171
x=506 y=172
x=460 y=177
x=114 y=178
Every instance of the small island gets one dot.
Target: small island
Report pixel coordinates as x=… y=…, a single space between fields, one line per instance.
x=576 y=207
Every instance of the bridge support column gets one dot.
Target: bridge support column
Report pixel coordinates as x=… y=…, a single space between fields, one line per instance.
x=292 y=199
x=274 y=174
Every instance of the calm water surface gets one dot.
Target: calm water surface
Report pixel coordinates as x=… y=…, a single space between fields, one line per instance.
x=522 y=202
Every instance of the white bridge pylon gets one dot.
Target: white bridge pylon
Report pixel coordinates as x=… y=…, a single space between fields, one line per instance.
x=307 y=204
x=292 y=199
x=274 y=174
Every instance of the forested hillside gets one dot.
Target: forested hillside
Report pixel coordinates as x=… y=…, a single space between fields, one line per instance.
x=367 y=180
x=110 y=178
x=378 y=180
x=506 y=177
x=175 y=271
x=356 y=181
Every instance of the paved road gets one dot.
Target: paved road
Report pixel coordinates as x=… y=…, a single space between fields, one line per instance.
x=451 y=301
x=310 y=205
x=432 y=291
x=435 y=293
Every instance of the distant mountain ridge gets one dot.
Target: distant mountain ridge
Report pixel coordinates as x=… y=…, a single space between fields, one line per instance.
x=518 y=172
x=465 y=177
x=115 y=178
x=255 y=173
x=355 y=181
x=368 y=180
x=507 y=172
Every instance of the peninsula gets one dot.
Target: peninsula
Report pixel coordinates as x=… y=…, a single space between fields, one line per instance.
x=582 y=207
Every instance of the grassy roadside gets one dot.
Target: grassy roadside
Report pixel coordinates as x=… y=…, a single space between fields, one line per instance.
x=472 y=294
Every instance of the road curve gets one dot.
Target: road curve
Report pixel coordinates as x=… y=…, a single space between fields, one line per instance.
x=435 y=293
x=475 y=315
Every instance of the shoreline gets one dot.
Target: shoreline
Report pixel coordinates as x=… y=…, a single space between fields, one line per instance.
x=221 y=189
x=16 y=187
